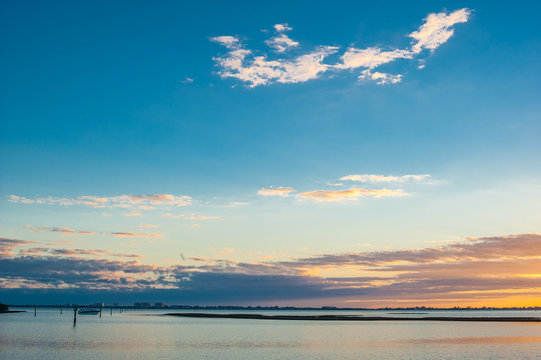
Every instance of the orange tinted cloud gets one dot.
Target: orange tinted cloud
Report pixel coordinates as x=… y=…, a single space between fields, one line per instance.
x=278 y=191
x=132 y=234
x=64 y=230
x=350 y=194
x=489 y=271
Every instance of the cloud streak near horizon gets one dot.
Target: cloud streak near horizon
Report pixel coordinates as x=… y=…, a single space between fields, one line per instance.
x=254 y=69
x=118 y=234
x=486 y=269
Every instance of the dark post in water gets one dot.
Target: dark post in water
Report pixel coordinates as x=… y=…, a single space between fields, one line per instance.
x=74 y=315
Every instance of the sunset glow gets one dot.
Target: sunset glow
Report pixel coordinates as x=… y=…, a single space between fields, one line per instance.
x=316 y=155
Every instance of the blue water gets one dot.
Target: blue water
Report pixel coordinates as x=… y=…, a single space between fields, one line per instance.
x=150 y=335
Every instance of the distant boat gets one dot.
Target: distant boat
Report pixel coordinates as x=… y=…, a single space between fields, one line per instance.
x=88 y=311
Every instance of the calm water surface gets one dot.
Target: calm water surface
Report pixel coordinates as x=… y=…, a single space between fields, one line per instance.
x=150 y=335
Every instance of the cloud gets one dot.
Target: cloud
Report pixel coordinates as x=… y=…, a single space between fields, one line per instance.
x=20 y=199
x=173 y=216
x=281 y=43
x=70 y=231
x=144 y=202
x=190 y=217
x=41 y=251
x=380 y=78
x=469 y=250
x=225 y=251
x=147 y=207
x=282 y=27
x=118 y=234
x=148 y=226
x=8 y=245
x=350 y=194
x=480 y=271
x=132 y=234
x=279 y=191
x=437 y=29
x=385 y=178
x=237 y=204
x=63 y=230
x=228 y=41
x=133 y=214
x=370 y=58
x=257 y=69
x=60 y=271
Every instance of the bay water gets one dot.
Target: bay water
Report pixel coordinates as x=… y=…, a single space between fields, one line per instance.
x=149 y=334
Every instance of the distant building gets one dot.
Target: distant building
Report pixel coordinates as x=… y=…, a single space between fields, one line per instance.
x=141 y=305
x=159 y=305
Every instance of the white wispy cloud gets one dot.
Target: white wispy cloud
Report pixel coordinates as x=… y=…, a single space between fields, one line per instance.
x=228 y=41
x=380 y=78
x=143 y=202
x=437 y=29
x=334 y=184
x=281 y=43
x=240 y=63
x=385 y=178
x=256 y=70
x=370 y=57
x=278 y=191
x=282 y=27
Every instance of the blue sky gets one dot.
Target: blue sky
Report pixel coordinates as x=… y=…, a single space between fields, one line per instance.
x=133 y=99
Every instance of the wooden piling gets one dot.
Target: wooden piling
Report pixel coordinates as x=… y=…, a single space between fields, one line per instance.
x=74 y=315
x=35 y=310
x=100 y=311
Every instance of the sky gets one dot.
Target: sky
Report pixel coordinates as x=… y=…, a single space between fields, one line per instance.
x=354 y=154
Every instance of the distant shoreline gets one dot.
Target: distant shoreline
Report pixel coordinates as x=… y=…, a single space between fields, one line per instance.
x=353 y=317
x=282 y=308
x=12 y=311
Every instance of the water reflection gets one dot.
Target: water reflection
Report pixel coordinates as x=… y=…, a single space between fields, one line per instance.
x=50 y=335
